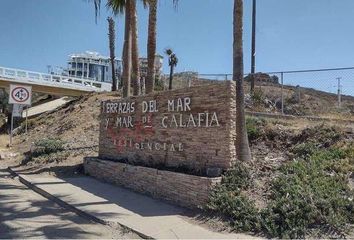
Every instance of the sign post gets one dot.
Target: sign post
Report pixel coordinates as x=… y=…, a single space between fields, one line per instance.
x=20 y=96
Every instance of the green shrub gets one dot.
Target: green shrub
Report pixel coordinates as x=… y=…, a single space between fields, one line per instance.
x=47 y=146
x=258 y=97
x=311 y=195
x=254 y=128
x=237 y=178
x=241 y=211
x=308 y=195
x=303 y=150
x=228 y=199
x=321 y=136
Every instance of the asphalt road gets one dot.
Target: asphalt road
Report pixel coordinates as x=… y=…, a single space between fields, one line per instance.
x=25 y=214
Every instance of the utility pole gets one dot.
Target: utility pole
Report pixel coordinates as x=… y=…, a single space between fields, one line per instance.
x=339 y=92
x=253 y=57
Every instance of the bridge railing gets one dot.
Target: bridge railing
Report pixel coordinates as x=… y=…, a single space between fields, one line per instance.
x=54 y=80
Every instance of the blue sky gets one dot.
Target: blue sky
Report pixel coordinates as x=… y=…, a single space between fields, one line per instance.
x=291 y=35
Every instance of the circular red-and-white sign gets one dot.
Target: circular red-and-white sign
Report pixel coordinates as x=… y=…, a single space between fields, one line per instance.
x=20 y=94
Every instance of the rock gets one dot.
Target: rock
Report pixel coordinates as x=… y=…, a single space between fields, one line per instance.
x=214 y=172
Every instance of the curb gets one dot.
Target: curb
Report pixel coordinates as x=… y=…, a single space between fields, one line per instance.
x=71 y=208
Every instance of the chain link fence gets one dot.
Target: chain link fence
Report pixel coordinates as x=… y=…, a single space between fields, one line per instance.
x=321 y=92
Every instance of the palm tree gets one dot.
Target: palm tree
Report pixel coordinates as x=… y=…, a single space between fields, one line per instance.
x=127 y=51
x=172 y=62
x=243 y=152
x=111 y=36
x=135 y=49
x=151 y=45
x=130 y=48
x=118 y=7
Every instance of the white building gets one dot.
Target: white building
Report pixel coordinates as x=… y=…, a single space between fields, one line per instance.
x=158 y=66
x=93 y=66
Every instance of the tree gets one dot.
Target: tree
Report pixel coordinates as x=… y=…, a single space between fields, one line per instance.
x=127 y=52
x=130 y=47
x=151 y=45
x=111 y=36
x=118 y=7
x=135 y=49
x=172 y=62
x=243 y=152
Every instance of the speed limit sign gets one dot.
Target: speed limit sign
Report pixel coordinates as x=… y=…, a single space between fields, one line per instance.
x=20 y=94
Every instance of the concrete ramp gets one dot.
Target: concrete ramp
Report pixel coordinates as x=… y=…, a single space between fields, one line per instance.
x=46 y=107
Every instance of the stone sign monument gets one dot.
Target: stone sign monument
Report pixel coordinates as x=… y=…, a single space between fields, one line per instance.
x=190 y=131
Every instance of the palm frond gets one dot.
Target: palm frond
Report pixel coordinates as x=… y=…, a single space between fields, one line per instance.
x=175 y=4
x=117 y=6
x=97 y=4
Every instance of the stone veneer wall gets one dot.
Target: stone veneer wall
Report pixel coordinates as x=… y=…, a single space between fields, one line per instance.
x=203 y=147
x=185 y=190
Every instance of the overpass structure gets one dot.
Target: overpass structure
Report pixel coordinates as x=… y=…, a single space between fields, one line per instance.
x=49 y=83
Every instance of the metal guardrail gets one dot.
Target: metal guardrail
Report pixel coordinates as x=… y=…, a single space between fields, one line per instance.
x=45 y=79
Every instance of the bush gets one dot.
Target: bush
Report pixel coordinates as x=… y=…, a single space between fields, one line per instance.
x=254 y=128
x=47 y=146
x=304 y=150
x=228 y=199
x=311 y=195
x=237 y=178
x=307 y=196
x=258 y=97
x=321 y=136
x=241 y=211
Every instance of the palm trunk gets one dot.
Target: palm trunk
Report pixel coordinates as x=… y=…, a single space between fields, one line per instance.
x=112 y=34
x=253 y=57
x=127 y=53
x=171 y=77
x=243 y=152
x=151 y=47
x=135 y=49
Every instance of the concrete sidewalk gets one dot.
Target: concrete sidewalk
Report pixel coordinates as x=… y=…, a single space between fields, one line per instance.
x=113 y=204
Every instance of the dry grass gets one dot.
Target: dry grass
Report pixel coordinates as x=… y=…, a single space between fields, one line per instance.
x=4 y=141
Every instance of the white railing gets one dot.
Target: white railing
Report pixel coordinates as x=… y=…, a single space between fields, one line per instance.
x=46 y=79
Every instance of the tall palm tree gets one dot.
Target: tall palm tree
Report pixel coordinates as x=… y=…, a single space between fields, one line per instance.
x=127 y=51
x=130 y=48
x=151 y=45
x=135 y=49
x=243 y=152
x=112 y=36
x=130 y=43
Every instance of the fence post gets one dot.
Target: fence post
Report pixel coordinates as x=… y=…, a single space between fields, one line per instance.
x=298 y=92
x=282 y=92
x=339 y=93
